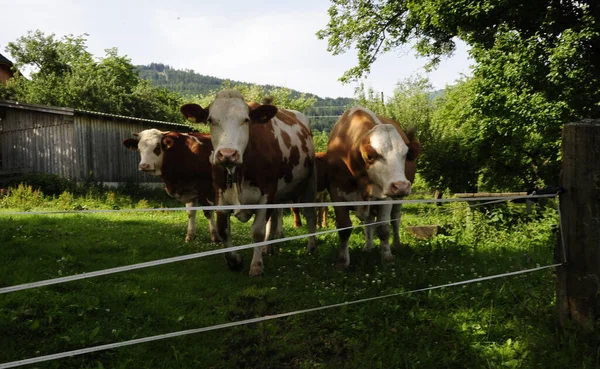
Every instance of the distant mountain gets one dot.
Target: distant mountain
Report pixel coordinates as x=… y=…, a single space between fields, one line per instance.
x=187 y=82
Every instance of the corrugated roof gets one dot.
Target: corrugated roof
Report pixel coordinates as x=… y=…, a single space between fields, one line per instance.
x=71 y=111
x=3 y=60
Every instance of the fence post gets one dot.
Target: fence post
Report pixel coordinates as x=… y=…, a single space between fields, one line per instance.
x=578 y=282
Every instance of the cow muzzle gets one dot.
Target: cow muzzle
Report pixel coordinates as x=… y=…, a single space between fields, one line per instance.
x=147 y=168
x=399 y=189
x=228 y=157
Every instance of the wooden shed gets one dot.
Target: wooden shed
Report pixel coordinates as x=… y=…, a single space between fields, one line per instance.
x=71 y=143
x=6 y=70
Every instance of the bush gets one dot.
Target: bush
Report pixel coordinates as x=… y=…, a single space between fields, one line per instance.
x=22 y=197
x=48 y=184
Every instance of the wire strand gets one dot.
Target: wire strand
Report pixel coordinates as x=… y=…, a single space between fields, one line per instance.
x=280 y=206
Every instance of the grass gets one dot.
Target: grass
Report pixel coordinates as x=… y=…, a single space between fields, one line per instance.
x=502 y=323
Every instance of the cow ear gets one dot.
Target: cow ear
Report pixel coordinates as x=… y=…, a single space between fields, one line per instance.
x=131 y=144
x=369 y=154
x=194 y=113
x=411 y=133
x=262 y=114
x=414 y=150
x=135 y=134
x=167 y=142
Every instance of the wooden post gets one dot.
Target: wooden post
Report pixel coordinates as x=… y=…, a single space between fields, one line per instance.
x=578 y=282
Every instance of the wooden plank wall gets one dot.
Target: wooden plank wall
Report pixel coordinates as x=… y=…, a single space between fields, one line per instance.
x=74 y=147
x=36 y=141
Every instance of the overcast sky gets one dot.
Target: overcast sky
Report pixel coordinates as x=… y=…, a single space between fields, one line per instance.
x=260 y=41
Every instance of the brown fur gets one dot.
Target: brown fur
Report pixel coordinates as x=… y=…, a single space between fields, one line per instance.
x=186 y=167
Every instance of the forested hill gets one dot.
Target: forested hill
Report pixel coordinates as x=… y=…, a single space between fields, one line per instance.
x=188 y=82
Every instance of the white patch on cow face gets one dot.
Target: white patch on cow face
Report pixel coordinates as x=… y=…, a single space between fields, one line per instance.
x=229 y=128
x=151 y=151
x=387 y=170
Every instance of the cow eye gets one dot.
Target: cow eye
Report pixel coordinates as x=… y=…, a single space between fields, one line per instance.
x=247 y=120
x=157 y=150
x=210 y=121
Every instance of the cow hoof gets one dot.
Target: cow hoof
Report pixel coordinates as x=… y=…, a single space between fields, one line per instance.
x=368 y=246
x=311 y=249
x=388 y=258
x=234 y=262
x=268 y=250
x=189 y=238
x=341 y=265
x=256 y=270
x=214 y=237
x=297 y=225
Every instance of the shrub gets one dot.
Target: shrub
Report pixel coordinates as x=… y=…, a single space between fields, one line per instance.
x=23 y=197
x=48 y=184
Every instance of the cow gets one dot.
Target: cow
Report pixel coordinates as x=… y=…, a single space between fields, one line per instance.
x=322 y=196
x=181 y=160
x=367 y=158
x=262 y=155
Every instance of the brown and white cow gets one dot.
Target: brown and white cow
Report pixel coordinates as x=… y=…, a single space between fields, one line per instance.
x=182 y=162
x=322 y=195
x=262 y=155
x=367 y=158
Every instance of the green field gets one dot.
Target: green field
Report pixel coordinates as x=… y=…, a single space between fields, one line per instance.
x=502 y=323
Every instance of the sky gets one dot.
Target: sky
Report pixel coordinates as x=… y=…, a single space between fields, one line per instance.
x=260 y=41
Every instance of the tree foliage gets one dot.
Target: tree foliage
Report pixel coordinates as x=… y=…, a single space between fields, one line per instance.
x=65 y=74
x=537 y=67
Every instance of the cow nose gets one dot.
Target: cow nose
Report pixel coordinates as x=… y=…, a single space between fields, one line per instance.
x=144 y=167
x=400 y=188
x=228 y=156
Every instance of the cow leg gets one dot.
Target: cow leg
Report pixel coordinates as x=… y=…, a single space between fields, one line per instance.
x=342 y=220
x=297 y=218
x=383 y=231
x=322 y=217
x=369 y=229
x=191 y=228
x=274 y=230
x=212 y=227
x=233 y=259
x=395 y=222
x=322 y=210
x=310 y=213
x=258 y=235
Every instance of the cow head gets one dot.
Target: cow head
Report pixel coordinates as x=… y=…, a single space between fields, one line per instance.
x=385 y=153
x=151 y=144
x=229 y=117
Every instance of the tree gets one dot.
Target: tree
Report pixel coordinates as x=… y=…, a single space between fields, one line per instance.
x=537 y=67
x=65 y=74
